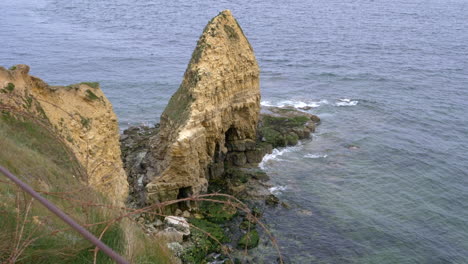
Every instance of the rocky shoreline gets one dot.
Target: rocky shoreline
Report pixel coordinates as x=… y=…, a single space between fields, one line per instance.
x=241 y=177
x=204 y=154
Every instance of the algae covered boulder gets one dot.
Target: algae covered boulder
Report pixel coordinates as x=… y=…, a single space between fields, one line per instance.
x=249 y=240
x=282 y=127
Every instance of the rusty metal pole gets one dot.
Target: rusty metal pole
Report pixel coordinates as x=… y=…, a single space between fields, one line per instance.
x=67 y=219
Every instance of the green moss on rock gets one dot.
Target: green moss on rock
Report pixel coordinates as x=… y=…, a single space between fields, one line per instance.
x=282 y=131
x=217 y=212
x=202 y=243
x=10 y=87
x=94 y=85
x=91 y=96
x=249 y=240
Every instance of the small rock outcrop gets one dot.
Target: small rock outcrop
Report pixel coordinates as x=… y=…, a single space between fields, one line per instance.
x=216 y=108
x=80 y=115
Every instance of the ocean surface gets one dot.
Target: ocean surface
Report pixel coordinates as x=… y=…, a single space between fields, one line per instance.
x=385 y=178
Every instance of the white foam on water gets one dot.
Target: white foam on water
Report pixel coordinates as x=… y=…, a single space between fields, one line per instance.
x=346 y=102
x=276 y=153
x=295 y=103
x=315 y=156
x=277 y=189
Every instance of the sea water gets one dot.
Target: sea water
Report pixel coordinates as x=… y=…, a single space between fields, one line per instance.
x=384 y=179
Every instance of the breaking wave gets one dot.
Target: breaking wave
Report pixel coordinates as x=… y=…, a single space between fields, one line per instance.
x=346 y=102
x=277 y=189
x=315 y=156
x=274 y=156
x=296 y=103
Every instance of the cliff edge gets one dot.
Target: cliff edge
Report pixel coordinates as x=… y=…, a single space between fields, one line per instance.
x=80 y=115
x=217 y=104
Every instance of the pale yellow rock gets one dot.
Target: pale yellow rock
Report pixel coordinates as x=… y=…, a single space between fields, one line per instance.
x=220 y=93
x=82 y=117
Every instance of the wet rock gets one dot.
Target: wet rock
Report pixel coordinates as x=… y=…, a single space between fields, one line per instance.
x=284 y=127
x=247 y=225
x=272 y=200
x=285 y=205
x=305 y=212
x=236 y=159
x=249 y=240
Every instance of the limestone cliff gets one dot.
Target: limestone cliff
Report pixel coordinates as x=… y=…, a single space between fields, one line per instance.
x=218 y=102
x=82 y=117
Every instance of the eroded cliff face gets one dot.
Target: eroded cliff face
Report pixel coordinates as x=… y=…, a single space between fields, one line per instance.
x=217 y=105
x=82 y=117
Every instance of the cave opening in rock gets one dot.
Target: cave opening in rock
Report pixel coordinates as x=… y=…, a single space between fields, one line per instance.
x=231 y=135
x=184 y=192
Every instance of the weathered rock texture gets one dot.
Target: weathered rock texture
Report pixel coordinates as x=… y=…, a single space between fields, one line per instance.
x=82 y=117
x=218 y=103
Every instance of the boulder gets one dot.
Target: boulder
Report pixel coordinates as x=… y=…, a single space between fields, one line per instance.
x=179 y=223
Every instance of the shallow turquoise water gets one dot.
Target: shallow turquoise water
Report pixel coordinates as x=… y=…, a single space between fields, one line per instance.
x=385 y=178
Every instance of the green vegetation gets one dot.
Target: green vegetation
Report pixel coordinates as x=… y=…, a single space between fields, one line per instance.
x=177 y=108
x=279 y=131
x=249 y=240
x=94 y=85
x=203 y=244
x=290 y=122
x=231 y=32
x=10 y=87
x=85 y=122
x=28 y=102
x=237 y=175
x=197 y=53
x=91 y=96
x=217 y=212
x=30 y=233
x=12 y=68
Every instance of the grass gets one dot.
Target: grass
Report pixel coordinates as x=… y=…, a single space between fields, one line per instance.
x=10 y=87
x=85 y=122
x=91 y=96
x=231 y=33
x=203 y=245
x=30 y=233
x=94 y=85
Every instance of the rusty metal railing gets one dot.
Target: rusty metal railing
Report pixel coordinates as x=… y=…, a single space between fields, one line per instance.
x=67 y=219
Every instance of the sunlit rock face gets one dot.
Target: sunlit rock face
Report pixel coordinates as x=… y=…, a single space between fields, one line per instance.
x=80 y=116
x=215 y=108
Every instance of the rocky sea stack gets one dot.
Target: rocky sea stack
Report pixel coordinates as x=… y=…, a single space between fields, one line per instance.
x=217 y=105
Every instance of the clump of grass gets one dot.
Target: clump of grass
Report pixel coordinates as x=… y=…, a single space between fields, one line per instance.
x=9 y=88
x=91 y=96
x=94 y=85
x=12 y=68
x=85 y=122
x=231 y=32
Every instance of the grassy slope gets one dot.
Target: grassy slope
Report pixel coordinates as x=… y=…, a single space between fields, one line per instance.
x=28 y=230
